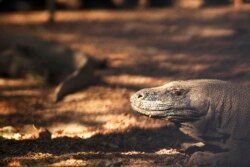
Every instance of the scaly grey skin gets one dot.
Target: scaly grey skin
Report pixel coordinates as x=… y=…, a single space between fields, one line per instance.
x=214 y=112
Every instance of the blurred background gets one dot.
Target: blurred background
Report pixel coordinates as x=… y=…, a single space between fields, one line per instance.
x=28 y=5
x=68 y=68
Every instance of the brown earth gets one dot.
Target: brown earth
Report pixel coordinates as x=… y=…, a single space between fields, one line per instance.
x=96 y=126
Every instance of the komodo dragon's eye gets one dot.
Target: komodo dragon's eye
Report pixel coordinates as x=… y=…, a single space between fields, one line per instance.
x=177 y=91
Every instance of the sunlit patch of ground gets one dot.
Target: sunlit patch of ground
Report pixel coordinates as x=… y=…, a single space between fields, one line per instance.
x=96 y=126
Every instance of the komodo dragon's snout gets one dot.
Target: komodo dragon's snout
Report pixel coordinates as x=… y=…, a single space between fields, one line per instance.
x=175 y=101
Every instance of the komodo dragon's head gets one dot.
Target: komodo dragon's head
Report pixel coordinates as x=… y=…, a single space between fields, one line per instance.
x=178 y=101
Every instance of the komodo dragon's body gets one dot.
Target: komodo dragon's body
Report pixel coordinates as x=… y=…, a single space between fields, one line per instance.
x=214 y=112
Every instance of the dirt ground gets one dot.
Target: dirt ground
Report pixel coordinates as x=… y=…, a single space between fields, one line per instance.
x=144 y=48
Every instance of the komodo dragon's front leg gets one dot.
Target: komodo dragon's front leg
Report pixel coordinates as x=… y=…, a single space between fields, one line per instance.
x=227 y=159
x=237 y=154
x=211 y=111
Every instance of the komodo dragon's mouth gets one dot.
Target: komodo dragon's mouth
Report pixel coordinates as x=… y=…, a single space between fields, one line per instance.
x=175 y=115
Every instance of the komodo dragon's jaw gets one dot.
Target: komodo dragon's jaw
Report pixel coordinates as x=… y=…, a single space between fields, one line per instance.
x=175 y=103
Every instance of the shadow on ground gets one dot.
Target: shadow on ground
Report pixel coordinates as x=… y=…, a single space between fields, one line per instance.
x=107 y=146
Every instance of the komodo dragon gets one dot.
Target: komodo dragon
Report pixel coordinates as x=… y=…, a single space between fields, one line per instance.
x=24 y=55
x=214 y=112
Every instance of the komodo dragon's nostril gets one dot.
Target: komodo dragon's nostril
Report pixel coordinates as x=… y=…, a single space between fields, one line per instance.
x=140 y=96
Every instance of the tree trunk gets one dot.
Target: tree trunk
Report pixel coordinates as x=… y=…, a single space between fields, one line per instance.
x=51 y=9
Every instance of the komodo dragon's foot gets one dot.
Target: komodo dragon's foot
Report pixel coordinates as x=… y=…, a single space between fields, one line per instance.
x=209 y=159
